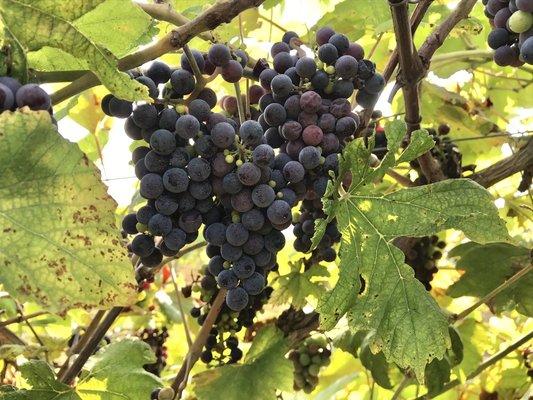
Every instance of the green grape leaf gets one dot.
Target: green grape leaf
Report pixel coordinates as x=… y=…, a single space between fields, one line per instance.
x=488 y=266
x=355 y=17
x=265 y=370
x=117 y=372
x=52 y=59
x=376 y=363
x=409 y=327
x=437 y=375
x=43 y=385
x=60 y=244
x=296 y=286
x=120 y=34
x=51 y=23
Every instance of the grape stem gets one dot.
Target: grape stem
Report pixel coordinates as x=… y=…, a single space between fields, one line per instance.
x=240 y=106
x=512 y=280
x=220 y=12
x=180 y=381
x=483 y=366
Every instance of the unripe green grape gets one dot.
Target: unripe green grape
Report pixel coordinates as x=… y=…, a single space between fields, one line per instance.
x=304 y=359
x=520 y=21
x=314 y=369
x=239 y=163
x=330 y=70
x=166 y=394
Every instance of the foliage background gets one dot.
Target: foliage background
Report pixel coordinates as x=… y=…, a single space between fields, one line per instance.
x=488 y=108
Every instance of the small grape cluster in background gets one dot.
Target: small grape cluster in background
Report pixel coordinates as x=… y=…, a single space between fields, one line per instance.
x=155 y=338
x=15 y=95
x=312 y=354
x=423 y=256
x=512 y=34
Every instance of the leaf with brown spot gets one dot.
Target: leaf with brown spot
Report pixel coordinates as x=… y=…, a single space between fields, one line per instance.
x=60 y=246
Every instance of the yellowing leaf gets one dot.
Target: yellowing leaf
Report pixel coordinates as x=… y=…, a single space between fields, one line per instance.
x=48 y=23
x=60 y=246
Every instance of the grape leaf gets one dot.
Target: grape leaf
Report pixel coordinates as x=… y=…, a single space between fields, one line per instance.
x=488 y=266
x=118 y=373
x=50 y=23
x=438 y=374
x=264 y=371
x=43 y=385
x=376 y=364
x=354 y=17
x=296 y=286
x=126 y=30
x=60 y=244
x=409 y=326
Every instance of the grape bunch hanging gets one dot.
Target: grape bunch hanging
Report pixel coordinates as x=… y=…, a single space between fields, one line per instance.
x=512 y=33
x=15 y=95
x=241 y=179
x=312 y=354
x=155 y=338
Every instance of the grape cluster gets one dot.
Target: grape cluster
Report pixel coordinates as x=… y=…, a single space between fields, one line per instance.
x=306 y=115
x=422 y=257
x=528 y=361
x=446 y=152
x=14 y=95
x=312 y=354
x=222 y=345
x=239 y=179
x=512 y=33
x=156 y=338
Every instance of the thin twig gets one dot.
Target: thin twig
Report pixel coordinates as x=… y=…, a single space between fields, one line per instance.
x=180 y=306
x=240 y=106
x=483 y=366
x=272 y=22
x=21 y=318
x=165 y=12
x=403 y=180
x=180 y=381
x=403 y=384
x=512 y=280
x=376 y=44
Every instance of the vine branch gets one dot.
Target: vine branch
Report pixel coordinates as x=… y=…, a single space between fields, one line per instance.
x=520 y=161
x=90 y=346
x=411 y=72
x=221 y=12
x=180 y=381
